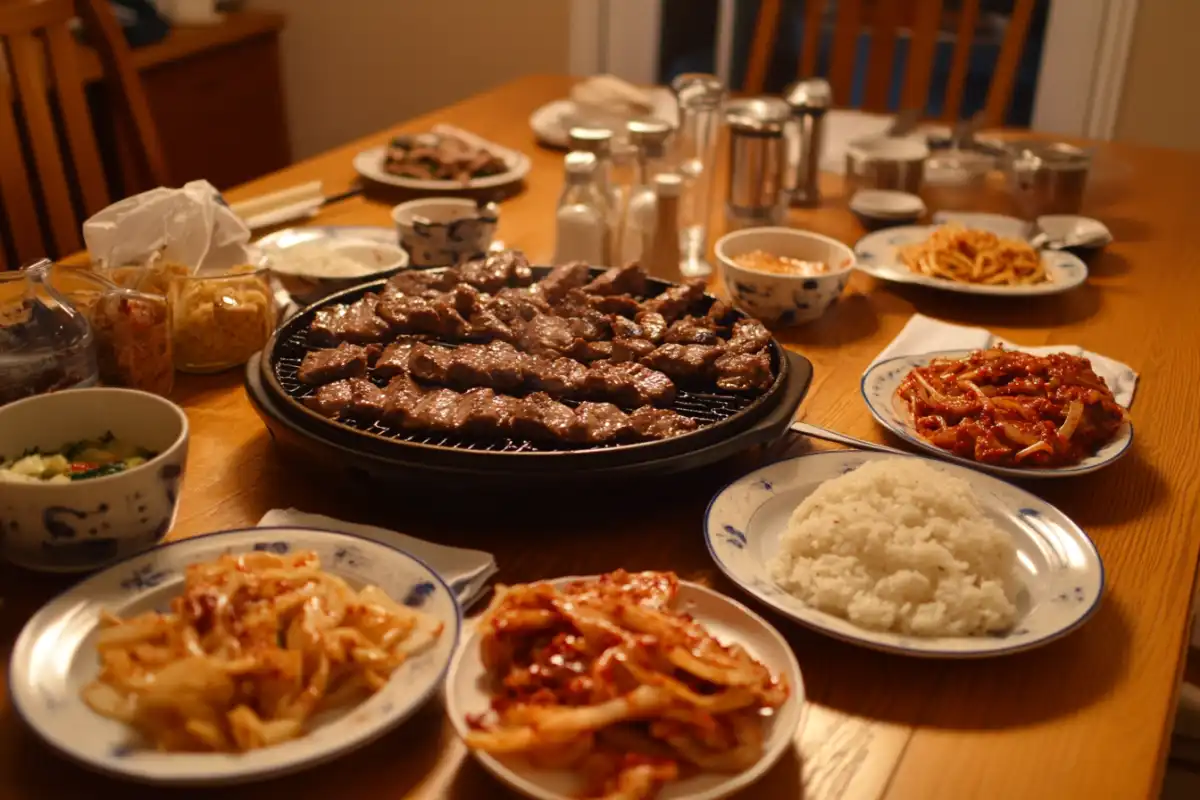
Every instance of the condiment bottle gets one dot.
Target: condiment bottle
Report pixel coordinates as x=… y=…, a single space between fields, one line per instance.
x=581 y=221
x=649 y=138
x=756 y=163
x=599 y=142
x=804 y=132
x=661 y=256
x=699 y=97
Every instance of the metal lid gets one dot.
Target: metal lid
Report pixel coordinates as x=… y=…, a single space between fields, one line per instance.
x=668 y=184
x=1051 y=155
x=649 y=136
x=591 y=140
x=698 y=90
x=579 y=163
x=810 y=95
x=763 y=116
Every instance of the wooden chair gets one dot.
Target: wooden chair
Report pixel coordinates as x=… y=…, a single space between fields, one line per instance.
x=45 y=177
x=921 y=18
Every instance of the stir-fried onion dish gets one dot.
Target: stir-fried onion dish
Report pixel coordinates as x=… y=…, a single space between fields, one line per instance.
x=1012 y=408
x=256 y=645
x=955 y=253
x=603 y=676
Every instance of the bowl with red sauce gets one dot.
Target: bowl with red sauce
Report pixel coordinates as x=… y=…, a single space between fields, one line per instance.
x=784 y=276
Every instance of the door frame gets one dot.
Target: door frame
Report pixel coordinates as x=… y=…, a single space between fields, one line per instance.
x=1087 y=44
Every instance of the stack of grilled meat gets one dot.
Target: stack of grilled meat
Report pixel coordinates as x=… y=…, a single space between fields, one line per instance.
x=481 y=350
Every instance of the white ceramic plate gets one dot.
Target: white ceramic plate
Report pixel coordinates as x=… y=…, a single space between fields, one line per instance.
x=369 y=164
x=290 y=236
x=1058 y=566
x=55 y=657
x=878 y=388
x=552 y=122
x=729 y=621
x=878 y=257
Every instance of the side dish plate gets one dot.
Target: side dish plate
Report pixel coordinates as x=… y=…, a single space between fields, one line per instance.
x=729 y=621
x=55 y=657
x=1059 y=568
x=878 y=256
x=878 y=388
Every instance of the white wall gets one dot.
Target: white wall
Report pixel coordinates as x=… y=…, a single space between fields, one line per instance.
x=354 y=66
x=1158 y=100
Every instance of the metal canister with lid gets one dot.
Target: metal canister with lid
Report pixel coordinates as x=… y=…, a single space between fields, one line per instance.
x=757 y=159
x=1047 y=177
x=807 y=100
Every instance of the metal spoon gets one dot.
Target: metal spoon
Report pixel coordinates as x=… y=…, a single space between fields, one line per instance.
x=815 y=432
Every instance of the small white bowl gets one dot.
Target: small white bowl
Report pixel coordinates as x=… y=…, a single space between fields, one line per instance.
x=1071 y=232
x=289 y=256
x=880 y=208
x=83 y=525
x=444 y=231
x=782 y=300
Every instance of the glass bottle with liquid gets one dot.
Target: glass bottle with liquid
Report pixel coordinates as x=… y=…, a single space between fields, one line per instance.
x=582 y=217
x=649 y=138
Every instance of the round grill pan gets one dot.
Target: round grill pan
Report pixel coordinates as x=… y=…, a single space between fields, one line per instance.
x=272 y=385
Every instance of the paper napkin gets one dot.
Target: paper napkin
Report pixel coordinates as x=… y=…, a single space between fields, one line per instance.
x=465 y=571
x=926 y=335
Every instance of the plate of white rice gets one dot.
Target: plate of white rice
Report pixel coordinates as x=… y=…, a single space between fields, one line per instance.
x=906 y=554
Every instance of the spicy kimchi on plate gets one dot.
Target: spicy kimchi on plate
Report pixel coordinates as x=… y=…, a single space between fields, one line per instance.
x=613 y=681
x=1013 y=409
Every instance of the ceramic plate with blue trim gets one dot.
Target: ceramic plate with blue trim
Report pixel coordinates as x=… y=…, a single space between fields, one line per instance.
x=728 y=621
x=1058 y=568
x=877 y=254
x=879 y=384
x=55 y=657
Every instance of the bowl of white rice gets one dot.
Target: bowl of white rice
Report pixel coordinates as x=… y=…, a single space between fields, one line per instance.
x=898 y=546
x=905 y=554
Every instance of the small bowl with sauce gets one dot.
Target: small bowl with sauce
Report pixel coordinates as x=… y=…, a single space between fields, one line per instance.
x=783 y=276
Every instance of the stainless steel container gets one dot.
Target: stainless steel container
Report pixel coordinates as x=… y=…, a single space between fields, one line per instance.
x=804 y=132
x=883 y=162
x=1047 y=177
x=757 y=158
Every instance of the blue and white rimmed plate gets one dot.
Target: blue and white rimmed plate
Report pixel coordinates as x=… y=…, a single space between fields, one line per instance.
x=729 y=621
x=55 y=657
x=879 y=384
x=1060 y=572
x=877 y=254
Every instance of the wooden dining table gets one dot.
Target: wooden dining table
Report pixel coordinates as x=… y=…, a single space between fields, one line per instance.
x=1088 y=716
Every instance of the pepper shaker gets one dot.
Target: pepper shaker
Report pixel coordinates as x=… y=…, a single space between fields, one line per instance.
x=649 y=138
x=699 y=96
x=581 y=220
x=599 y=142
x=808 y=100
x=756 y=162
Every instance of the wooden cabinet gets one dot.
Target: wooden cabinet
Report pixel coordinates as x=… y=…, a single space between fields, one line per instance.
x=216 y=94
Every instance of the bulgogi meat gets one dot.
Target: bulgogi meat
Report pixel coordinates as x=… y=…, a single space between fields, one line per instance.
x=353 y=397
x=629 y=279
x=660 y=423
x=496 y=271
x=331 y=364
x=357 y=323
x=439 y=156
x=687 y=363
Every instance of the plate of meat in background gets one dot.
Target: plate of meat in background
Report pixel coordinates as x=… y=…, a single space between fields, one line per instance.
x=444 y=159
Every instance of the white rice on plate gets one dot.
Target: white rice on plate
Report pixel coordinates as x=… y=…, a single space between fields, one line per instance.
x=898 y=545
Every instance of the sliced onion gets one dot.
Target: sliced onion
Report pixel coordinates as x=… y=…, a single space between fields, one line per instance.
x=1074 y=414
x=1040 y=447
x=933 y=393
x=1017 y=435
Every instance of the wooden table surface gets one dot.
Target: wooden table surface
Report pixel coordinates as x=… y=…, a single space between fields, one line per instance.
x=1087 y=716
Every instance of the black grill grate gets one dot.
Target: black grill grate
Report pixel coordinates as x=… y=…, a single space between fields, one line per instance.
x=706 y=408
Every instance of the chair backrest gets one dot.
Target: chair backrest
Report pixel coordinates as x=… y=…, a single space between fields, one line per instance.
x=50 y=166
x=921 y=20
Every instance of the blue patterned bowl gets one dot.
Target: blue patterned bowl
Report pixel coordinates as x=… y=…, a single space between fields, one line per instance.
x=783 y=300
x=82 y=525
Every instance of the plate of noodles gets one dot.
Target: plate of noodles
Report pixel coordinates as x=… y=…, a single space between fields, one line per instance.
x=630 y=685
x=967 y=260
x=905 y=554
x=1002 y=411
x=235 y=656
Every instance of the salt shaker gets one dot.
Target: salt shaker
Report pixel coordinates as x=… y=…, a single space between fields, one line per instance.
x=599 y=142
x=649 y=138
x=808 y=101
x=661 y=258
x=756 y=162
x=699 y=96
x=581 y=221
